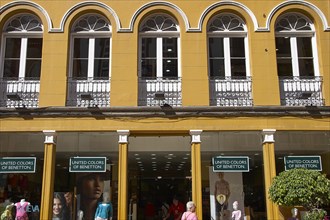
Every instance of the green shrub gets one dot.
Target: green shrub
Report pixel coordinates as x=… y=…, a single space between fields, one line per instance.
x=315 y=214
x=300 y=187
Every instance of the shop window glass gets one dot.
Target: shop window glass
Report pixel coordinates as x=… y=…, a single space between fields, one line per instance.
x=21 y=173
x=309 y=149
x=221 y=187
x=82 y=185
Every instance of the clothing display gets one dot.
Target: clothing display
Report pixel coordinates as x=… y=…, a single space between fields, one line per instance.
x=21 y=208
x=103 y=211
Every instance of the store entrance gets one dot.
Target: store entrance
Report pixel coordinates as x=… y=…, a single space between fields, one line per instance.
x=155 y=176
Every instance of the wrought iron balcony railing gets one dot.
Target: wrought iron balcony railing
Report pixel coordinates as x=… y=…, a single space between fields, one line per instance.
x=229 y=91
x=88 y=92
x=157 y=91
x=301 y=91
x=19 y=92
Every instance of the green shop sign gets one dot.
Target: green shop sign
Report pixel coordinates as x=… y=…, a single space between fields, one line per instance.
x=87 y=164
x=307 y=162
x=230 y=164
x=17 y=165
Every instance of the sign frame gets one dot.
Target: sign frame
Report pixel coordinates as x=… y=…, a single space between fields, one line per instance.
x=88 y=171
x=233 y=157
x=308 y=156
x=20 y=158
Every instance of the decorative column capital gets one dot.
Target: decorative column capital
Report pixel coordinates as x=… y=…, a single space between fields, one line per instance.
x=195 y=136
x=268 y=135
x=50 y=136
x=123 y=136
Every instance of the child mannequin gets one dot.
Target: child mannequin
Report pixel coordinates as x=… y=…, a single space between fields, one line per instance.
x=21 y=208
x=104 y=208
x=236 y=214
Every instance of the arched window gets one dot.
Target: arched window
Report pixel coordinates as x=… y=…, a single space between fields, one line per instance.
x=90 y=47
x=295 y=46
x=227 y=47
x=22 y=47
x=159 y=45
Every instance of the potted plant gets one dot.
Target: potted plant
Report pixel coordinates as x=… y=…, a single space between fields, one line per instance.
x=301 y=187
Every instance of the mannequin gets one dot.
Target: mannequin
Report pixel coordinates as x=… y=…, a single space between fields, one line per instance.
x=294 y=213
x=21 y=210
x=80 y=215
x=104 y=208
x=236 y=214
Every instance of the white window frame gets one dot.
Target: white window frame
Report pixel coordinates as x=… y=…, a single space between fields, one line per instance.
x=24 y=36
x=227 y=35
x=293 y=35
x=159 y=35
x=91 y=35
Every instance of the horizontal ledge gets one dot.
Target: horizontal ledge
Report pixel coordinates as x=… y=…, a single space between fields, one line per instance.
x=166 y=111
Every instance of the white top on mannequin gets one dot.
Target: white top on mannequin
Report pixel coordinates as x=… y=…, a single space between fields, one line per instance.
x=236 y=214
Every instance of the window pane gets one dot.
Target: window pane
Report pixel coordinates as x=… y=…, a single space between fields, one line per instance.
x=237 y=47
x=32 y=69
x=13 y=48
x=149 y=47
x=34 y=48
x=283 y=48
x=306 y=67
x=101 y=68
x=217 y=67
x=216 y=47
x=170 y=68
x=304 y=45
x=170 y=47
x=80 y=48
x=102 y=47
x=11 y=68
x=284 y=67
x=238 y=68
x=149 y=68
x=80 y=68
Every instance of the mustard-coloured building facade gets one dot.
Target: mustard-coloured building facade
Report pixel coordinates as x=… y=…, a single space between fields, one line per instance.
x=120 y=109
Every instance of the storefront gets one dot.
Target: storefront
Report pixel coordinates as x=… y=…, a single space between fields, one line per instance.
x=159 y=167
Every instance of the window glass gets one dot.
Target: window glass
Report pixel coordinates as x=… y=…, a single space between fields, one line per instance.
x=221 y=187
x=80 y=61
x=237 y=47
x=284 y=60
x=12 y=55
x=148 y=62
x=307 y=149
x=101 y=61
x=238 y=68
x=226 y=50
x=23 y=183
x=34 y=48
x=25 y=50
x=85 y=190
x=283 y=47
x=170 y=58
x=80 y=48
x=159 y=53
x=292 y=49
x=13 y=48
x=216 y=47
